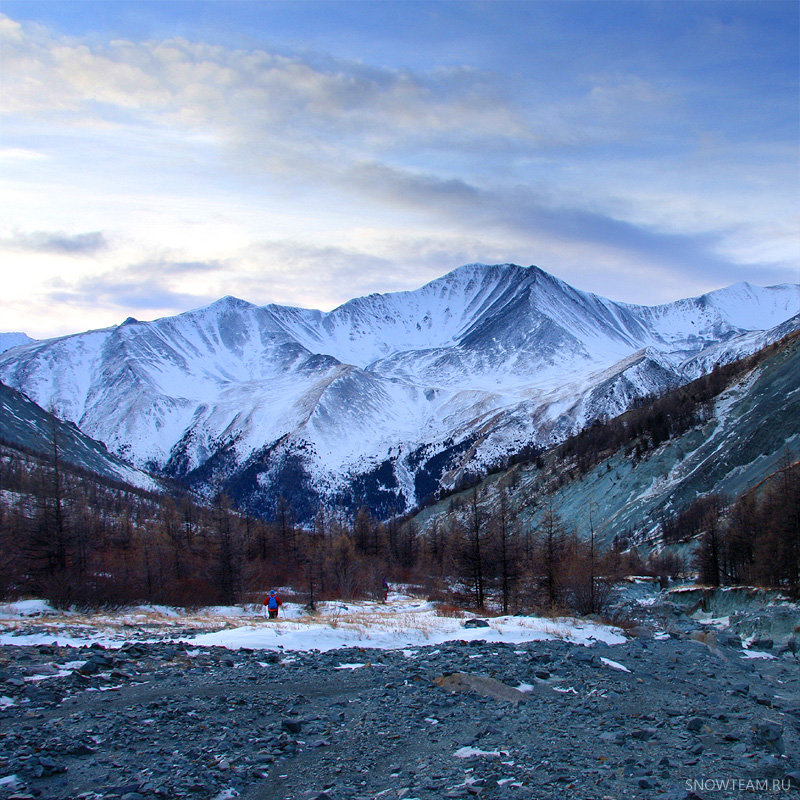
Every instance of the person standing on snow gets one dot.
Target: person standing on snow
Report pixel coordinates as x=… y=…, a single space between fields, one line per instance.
x=271 y=604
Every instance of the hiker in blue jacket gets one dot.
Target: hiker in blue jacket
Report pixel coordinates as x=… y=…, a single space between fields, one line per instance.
x=271 y=604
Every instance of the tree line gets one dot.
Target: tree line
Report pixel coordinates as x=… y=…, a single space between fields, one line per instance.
x=76 y=539
x=754 y=540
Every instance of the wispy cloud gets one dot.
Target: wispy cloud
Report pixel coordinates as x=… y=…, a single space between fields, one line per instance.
x=12 y=154
x=148 y=285
x=523 y=212
x=56 y=242
x=245 y=95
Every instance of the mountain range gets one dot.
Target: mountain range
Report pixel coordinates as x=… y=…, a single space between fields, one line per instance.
x=389 y=397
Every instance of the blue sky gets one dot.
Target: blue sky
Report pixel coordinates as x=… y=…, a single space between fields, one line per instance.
x=156 y=156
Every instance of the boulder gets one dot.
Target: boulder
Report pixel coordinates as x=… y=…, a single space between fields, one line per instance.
x=482 y=685
x=768 y=736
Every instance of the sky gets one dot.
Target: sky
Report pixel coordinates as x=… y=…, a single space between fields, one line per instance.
x=155 y=156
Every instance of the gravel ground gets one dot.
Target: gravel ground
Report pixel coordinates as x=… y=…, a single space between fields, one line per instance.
x=165 y=720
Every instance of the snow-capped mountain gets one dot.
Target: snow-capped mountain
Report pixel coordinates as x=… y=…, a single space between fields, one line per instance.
x=750 y=415
x=387 y=396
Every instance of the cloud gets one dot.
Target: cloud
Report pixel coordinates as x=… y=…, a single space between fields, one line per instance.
x=57 y=243
x=15 y=154
x=289 y=272
x=525 y=213
x=296 y=176
x=146 y=286
x=245 y=96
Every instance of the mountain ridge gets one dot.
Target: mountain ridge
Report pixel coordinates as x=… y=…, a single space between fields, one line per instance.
x=482 y=360
x=28 y=428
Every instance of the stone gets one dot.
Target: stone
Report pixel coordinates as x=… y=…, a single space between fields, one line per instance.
x=728 y=639
x=43 y=669
x=582 y=657
x=292 y=725
x=482 y=685
x=770 y=767
x=475 y=623
x=768 y=736
x=791 y=648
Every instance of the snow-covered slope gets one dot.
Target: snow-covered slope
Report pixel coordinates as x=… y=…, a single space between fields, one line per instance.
x=378 y=400
x=9 y=340
x=27 y=427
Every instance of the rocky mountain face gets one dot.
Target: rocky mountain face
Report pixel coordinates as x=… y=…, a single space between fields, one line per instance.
x=389 y=397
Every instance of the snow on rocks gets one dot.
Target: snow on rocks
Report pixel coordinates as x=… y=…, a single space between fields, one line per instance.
x=614 y=664
x=471 y=752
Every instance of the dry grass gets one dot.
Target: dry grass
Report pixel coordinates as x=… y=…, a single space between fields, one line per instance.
x=448 y=610
x=120 y=624
x=364 y=622
x=556 y=633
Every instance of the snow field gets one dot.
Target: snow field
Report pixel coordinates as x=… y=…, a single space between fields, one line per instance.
x=401 y=623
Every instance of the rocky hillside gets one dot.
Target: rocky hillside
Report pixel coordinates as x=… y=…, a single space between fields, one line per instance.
x=28 y=428
x=722 y=434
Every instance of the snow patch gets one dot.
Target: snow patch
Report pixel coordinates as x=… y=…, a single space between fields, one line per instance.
x=402 y=623
x=26 y=608
x=614 y=664
x=471 y=752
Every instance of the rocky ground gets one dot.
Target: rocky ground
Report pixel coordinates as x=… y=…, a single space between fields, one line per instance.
x=672 y=717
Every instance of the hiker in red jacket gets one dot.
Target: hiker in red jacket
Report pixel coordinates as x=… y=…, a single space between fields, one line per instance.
x=271 y=604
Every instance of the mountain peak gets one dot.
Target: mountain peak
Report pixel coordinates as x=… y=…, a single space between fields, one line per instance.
x=229 y=301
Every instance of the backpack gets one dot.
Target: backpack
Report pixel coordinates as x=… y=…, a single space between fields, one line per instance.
x=272 y=602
